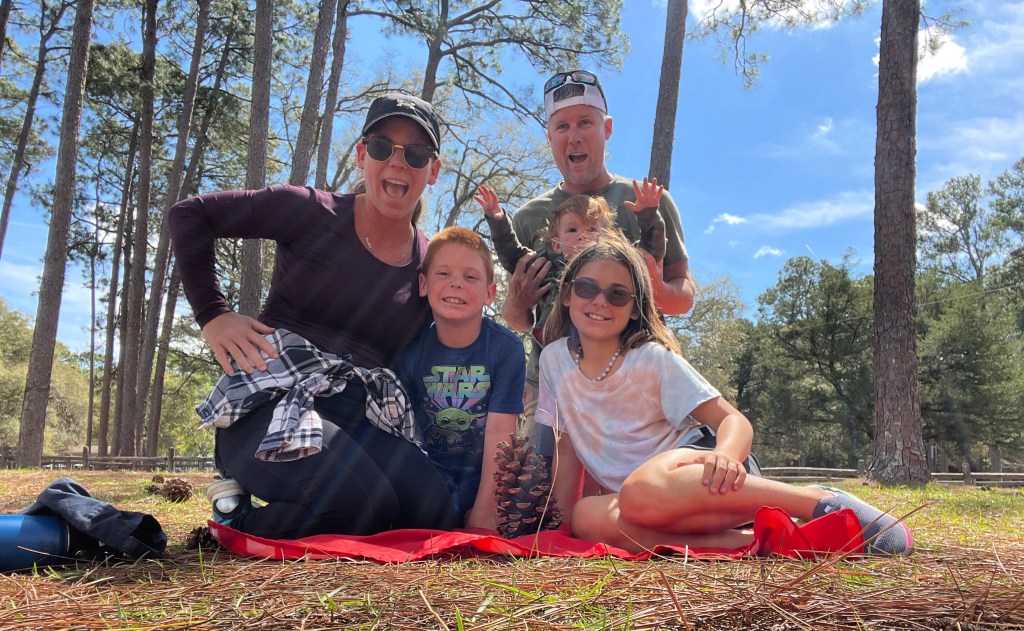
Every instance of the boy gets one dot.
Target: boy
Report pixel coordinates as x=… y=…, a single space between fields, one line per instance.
x=464 y=374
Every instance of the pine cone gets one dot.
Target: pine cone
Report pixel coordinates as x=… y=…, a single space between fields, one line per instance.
x=201 y=537
x=153 y=489
x=177 y=490
x=158 y=479
x=523 y=491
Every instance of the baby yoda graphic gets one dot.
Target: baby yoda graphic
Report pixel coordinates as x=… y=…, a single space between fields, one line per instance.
x=454 y=425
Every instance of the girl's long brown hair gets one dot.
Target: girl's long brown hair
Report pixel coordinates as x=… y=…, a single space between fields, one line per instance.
x=612 y=246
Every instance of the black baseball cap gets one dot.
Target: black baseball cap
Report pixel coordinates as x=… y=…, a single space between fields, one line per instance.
x=409 y=106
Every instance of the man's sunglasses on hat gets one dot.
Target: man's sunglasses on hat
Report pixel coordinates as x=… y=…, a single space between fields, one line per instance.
x=576 y=76
x=381 y=149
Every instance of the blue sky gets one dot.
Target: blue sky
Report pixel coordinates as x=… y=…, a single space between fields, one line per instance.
x=760 y=175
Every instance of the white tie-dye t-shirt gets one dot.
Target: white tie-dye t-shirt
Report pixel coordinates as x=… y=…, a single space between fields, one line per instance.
x=621 y=422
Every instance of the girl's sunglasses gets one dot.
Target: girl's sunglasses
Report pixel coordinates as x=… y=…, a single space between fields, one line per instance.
x=588 y=290
x=381 y=149
x=577 y=76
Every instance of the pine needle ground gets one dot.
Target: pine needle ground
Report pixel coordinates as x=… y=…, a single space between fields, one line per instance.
x=968 y=573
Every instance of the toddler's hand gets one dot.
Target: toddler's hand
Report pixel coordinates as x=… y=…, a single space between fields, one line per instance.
x=489 y=200
x=648 y=195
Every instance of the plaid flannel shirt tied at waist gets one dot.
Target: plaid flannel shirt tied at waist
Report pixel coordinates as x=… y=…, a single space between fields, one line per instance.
x=300 y=373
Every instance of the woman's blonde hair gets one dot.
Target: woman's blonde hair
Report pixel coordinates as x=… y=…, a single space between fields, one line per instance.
x=648 y=327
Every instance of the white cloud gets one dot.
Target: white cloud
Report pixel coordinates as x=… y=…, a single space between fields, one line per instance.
x=815 y=139
x=18 y=282
x=821 y=138
x=19 y=287
x=725 y=218
x=948 y=58
x=998 y=45
x=975 y=124
x=766 y=250
x=841 y=207
x=984 y=146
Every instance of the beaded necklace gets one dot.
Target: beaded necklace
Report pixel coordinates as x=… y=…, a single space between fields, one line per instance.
x=578 y=356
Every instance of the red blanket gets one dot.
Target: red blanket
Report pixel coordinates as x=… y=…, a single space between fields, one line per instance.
x=774 y=533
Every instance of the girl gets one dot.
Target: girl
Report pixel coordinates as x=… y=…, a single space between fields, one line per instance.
x=628 y=408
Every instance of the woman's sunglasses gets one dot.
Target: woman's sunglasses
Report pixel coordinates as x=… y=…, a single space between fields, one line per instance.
x=588 y=290
x=577 y=76
x=381 y=149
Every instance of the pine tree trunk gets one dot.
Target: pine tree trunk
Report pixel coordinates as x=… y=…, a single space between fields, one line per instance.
x=157 y=393
x=173 y=194
x=27 y=121
x=255 y=175
x=899 y=447
x=5 y=17
x=90 y=412
x=112 y=317
x=331 y=101
x=431 y=70
x=44 y=337
x=306 y=139
x=668 y=92
x=122 y=333
x=131 y=407
x=434 y=42
x=188 y=185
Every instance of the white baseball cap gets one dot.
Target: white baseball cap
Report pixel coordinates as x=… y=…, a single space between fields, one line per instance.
x=578 y=87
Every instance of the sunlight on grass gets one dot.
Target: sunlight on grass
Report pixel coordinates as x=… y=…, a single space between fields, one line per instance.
x=969 y=543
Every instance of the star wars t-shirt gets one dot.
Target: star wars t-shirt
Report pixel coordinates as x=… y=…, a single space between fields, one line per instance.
x=452 y=391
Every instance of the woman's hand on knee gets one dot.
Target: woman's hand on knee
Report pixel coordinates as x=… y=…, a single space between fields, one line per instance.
x=239 y=338
x=722 y=473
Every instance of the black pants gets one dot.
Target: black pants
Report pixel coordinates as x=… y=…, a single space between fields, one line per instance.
x=363 y=480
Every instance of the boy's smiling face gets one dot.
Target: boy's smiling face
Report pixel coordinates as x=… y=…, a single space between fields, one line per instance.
x=456 y=285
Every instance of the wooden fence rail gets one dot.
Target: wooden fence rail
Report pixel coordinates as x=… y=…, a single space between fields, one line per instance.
x=809 y=474
x=965 y=476
x=173 y=463
x=170 y=463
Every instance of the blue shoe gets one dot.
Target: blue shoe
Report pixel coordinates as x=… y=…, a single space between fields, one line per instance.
x=229 y=500
x=883 y=533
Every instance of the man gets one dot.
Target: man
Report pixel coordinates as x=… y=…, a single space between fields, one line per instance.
x=578 y=128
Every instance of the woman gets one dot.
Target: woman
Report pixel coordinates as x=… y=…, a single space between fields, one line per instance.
x=344 y=289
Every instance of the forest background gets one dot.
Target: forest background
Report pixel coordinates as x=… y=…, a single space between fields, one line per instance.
x=793 y=352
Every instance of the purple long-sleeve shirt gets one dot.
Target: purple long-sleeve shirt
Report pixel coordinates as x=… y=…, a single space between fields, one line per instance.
x=326 y=285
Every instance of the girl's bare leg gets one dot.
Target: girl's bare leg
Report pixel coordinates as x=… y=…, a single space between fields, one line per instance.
x=665 y=496
x=665 y=502
x=598 y=518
